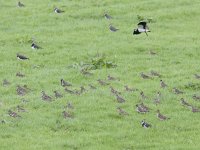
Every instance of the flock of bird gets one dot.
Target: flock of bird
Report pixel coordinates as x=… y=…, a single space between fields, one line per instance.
x=140 y=107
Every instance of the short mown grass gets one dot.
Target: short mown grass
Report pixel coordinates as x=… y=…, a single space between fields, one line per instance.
x=78 y=36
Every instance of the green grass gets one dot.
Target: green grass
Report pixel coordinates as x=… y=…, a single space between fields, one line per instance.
x=76 y=36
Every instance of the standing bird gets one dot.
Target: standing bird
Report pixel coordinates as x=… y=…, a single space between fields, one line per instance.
x=5 y=82
x=19 y=74
x=112 y=28
x=160 y=116
x=57 y=94
x=13 y=114
x=128 y=89
x=66 y=115
x=45 y=97
x=157 y=99
x=141 y=109
x=195 y=97
x=145 y=124
x=152 y=52
x=143 y=96
x=184 y=103
x=163 y=84
x=194 y=109
x=120 y=99
x=121 y=111
x=34 y=46
x=177 y=91
x=19 y=4
x=197 y=76
x=115 y=92
x=144 y=76
x=107 y=16
x=57 y=10
x=112 y=78
x=102 y=82
x=142 y=27
x=22 y=57
x=92 y=86
x=65 y=83
x=154 y=73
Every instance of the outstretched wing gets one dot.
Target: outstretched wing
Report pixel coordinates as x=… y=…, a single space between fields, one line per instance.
x=143 y=25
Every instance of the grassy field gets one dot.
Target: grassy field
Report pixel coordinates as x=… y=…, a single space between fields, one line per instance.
x=78 y=36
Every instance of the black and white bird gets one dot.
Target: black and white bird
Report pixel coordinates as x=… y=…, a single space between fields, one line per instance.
x=142 y=27
x=145 y=124
x=57 y=10
x=65 y=83
x=107 y=16
x=112 y=28
x=19 y=4
x=35 y=46
x=22 y=57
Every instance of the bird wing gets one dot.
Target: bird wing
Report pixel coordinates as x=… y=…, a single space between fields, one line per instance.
x=143 y=25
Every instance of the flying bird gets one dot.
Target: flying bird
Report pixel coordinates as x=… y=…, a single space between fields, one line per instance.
x=22 y=57
x=112 y=28
x=142 y=27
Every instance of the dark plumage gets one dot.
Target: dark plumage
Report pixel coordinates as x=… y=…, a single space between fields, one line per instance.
x=143 y=96
x=177 y=91
x=145 y=124
x=22 y=57
x=142 y=27
x=92 y=86
x=34 y=46
x=195 y=109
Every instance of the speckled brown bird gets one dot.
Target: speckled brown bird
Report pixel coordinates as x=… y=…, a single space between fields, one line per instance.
x=66 y=114
x=177 y=91
x=13 y=114
x=21 y=90
x=120 y=99
x=154 y=73
x=112 y=78
x=57 y=94
x=19 y=74
x=101 y=82
x=140 y=109
x=113 y=91
x=161 y=116
x=121 y=111
x=195 y=97
x=144 y=76
x=46 y=97
x=5 y=82
x=184 y=103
